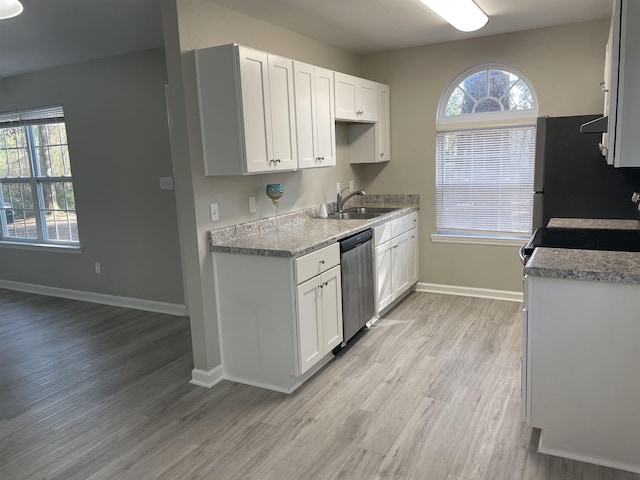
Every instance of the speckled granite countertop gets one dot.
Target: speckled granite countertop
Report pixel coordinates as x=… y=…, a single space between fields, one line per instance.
x=299 y=232
x=594 y=223
x=592 y=265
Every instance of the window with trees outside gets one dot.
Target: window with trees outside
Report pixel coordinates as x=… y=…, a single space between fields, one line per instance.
x=36 y=195
x=485 y=150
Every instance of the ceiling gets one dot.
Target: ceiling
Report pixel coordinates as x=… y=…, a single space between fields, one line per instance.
x=58 y=32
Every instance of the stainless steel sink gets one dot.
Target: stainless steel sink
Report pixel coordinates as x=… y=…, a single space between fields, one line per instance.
x=377 y=210
x=352 y=216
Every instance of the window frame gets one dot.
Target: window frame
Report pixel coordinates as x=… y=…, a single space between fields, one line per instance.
x=481 y=121
x=27 y=119
x=476 y=120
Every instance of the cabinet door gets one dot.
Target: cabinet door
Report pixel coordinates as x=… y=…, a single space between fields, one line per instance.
x=383 y=129
x=384 y=290
x=310 y=331
x=256 y=110
x=331 y=289
x=400 y=264
x=367 y=101
x=325 y=118
x=304 y=79
x=346 y=86
x=412 y=256
x=282 y=107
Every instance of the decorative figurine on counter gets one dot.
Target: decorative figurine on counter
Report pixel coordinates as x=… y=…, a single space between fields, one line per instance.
x=275 y=192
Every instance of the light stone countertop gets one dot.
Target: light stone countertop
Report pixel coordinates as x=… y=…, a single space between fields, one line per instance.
x=592 y=265
x=295 y=239
x=594 y=223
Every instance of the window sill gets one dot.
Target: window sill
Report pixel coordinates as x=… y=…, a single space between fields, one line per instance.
x=470 y=240
x=42 y=247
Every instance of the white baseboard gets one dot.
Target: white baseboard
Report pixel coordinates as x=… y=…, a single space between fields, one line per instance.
x=470 y=292
x=104 y=299
x=207 y=379
x=627 y=467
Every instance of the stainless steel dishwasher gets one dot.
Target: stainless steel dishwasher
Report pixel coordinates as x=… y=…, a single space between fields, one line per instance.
x=356 y=263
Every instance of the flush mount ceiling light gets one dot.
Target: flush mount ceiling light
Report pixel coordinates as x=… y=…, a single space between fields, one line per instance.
x=10 y=8
x=464 y=15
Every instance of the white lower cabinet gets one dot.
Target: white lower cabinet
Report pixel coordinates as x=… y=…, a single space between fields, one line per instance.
x=279 y=317
x=580 y=361
x=319 y=304
x=396 y=263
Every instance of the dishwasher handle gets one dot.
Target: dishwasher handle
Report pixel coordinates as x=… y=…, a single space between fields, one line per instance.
x=356 y=240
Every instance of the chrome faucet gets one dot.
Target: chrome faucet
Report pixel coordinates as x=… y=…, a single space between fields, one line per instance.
x=341 y=201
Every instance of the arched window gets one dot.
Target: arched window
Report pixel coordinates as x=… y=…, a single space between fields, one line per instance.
x=485 y=151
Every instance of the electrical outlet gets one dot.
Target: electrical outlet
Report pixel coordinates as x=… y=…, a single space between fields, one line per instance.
x=351 y=185
x=252 y=204
x=166 y=183
x=98 y=269
x=215 y=215
x=338 y=187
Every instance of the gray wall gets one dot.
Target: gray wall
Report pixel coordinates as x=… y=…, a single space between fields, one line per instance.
x=564 y=64
x=119 y=146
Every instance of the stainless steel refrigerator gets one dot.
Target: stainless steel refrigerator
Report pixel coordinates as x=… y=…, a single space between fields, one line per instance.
x=572 y=178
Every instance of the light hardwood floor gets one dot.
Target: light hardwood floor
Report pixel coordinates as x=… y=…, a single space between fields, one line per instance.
x=431 y=392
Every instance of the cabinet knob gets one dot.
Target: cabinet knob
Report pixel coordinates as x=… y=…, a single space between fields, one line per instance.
x=321 y=285
x=326 y=284
x=381 y=155
x=278 y=160
x=605 y=90
x=321 y=262
x=322 y=159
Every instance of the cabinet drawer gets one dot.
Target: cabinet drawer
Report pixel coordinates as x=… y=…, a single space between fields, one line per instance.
x=382 y=233
x=401 y=225
x=316 y=262
x=413 y=216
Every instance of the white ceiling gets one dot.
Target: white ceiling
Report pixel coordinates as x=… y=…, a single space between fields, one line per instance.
x=57 y=32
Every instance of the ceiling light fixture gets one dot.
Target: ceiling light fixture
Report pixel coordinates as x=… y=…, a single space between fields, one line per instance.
x=10 y=8
x=464 y=15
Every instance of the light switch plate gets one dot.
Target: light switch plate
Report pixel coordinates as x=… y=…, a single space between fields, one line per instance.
x=252 y=204
x=166 y=183
x=215 y=215
x=351 y=185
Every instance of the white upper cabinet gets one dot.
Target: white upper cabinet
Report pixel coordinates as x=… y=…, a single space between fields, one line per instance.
x=247 y=111
x=356 y=99
x=383 y=125
x=621 y=85
x=315 y=117
x=371 y=143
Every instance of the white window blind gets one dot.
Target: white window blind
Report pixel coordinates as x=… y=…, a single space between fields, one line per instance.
x=33 y=116
x=484 y=181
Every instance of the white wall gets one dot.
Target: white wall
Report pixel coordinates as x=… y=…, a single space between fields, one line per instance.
x=192 y=24
x=119 y=145
x=564 y=64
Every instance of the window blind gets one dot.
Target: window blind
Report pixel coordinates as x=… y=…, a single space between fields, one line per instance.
x=484 y=181
x=33 y=116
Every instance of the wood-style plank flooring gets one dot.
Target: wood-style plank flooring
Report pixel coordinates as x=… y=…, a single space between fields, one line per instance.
x=431 y=392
